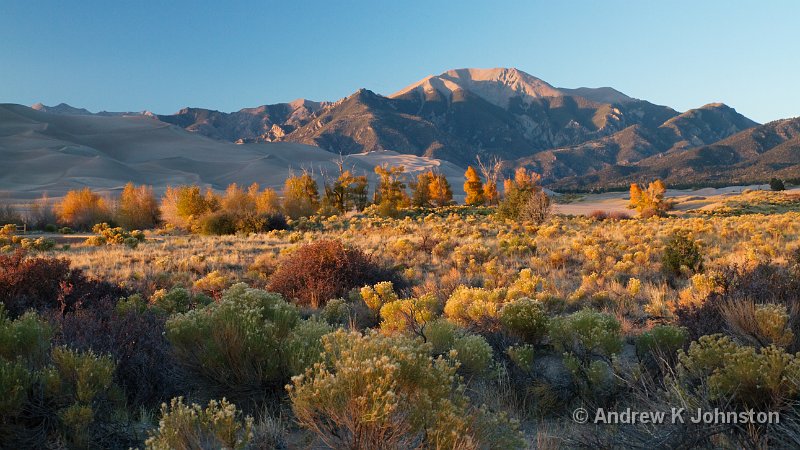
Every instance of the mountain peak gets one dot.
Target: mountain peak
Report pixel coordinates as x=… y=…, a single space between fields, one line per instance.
x=61 y=108
x=496 y=85
x=500 y=84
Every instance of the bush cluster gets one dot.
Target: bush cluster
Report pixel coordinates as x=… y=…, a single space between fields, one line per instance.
x=248 y=341
x=406 y=399
x=318 y=272
x=51 y=395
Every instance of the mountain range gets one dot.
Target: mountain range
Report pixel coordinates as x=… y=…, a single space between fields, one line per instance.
x=576 y=138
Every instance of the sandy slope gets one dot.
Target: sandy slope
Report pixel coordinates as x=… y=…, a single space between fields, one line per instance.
x=684 y=200
x=44 y=152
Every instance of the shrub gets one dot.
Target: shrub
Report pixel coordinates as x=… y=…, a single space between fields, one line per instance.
x=51 y=395
x=337 y=311
x=82 y=209
x=108 y=235
x=213 y=283
x=528 y=204
x=661 y=342
x=378 y=391
x=48 y=284
x=246 y=342
x=441 y=335
x=776 y=184
x=318 y=272
x=586 y=333
x=218 y=224
x=184 y=427
x=473 y=307
x=526 y=319
x=134 y=337
x=681 y=254
x=409 y=314
x=378 y=295
x=738 y=290
x=178 y=300
x=40 y=244
x=765 y=379
x=261 y=223
x=758 y=324
x=474 y=353
x=521 y=355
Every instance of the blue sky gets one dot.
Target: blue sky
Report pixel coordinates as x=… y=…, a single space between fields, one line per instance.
x=164 y=55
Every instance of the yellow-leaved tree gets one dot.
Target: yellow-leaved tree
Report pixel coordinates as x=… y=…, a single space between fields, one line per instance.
x=473 y=186
x=649 y=202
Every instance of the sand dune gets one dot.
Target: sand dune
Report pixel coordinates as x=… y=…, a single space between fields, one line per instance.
x=45 y=152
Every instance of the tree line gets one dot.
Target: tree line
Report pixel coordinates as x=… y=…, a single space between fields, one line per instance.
x=255 y=209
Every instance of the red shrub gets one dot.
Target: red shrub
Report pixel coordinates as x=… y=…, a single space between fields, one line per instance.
x=48 y=283
x=605 y=215
x=598 y=215
x=318 y=272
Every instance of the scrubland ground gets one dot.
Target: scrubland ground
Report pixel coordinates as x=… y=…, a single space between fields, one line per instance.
x=493 y=327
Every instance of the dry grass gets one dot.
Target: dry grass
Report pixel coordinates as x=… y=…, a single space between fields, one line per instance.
x=578 y=258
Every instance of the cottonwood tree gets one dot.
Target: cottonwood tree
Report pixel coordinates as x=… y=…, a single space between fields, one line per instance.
x=649 y=202
x=300 y=196
x=491 y=174
x=524 y=198
x=440 y=192
x=137 y=208
x=82 y=209
x=390 y=194
x=347 y=191
x=473 y=186
x=420 y=190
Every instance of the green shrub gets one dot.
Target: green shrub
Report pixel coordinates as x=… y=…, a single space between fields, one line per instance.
x=521 y=355
x=662 y=341
x=185 y=427
x=246 y=342
x=441 y=335
x=525 y=318
x=218 y=224
x=48 y=395
x=178 y=300
x=40 y=244
x=337 y=311
x=765 y=379
x=681 y=254
x=474 y=353
x=586 y=333
x=379 y=391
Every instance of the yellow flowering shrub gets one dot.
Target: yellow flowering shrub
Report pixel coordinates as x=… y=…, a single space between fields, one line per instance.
x=378 y=391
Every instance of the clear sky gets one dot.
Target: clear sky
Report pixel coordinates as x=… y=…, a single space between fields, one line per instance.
x=226 y=55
